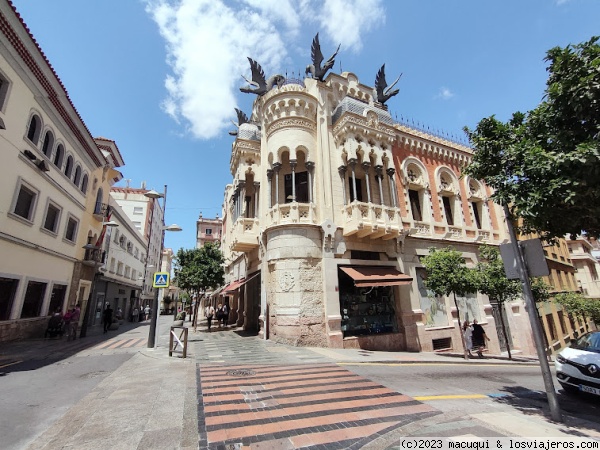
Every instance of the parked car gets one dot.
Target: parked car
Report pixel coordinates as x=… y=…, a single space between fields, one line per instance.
x=578 y=366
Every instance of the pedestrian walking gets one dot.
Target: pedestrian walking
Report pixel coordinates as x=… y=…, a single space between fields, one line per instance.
x=147 y=312
x=479 y=338
x=135 y=314
x=107 y=317
x=74 y=323
x=67 y=323
x=219 y=314
x=468 y=335
x=226 y=313
x=209 y=313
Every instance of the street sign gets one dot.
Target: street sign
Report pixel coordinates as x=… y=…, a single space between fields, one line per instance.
x=160 y=280
x=534 y=258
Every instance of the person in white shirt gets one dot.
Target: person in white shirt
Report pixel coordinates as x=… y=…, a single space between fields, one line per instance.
x=209 y=313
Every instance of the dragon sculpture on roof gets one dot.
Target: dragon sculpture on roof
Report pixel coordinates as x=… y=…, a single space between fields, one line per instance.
x=383 y=94
x=316 y=70
x=259 y=84
x=242 y=119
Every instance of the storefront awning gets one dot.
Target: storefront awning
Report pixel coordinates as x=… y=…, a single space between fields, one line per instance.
x=366 y=276
x=237 y=284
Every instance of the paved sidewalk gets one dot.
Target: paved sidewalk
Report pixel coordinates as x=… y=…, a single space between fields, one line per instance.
x=154 y=401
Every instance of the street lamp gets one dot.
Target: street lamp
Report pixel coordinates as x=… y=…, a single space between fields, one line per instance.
x=174 y=227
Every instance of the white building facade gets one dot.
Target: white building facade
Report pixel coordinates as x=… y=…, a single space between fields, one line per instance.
x=331 y=207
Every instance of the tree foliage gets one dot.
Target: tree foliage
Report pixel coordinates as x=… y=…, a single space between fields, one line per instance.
x=447 y=273
x=491 y=277
x=199 y=269
x=577 y=304
x=546 y=164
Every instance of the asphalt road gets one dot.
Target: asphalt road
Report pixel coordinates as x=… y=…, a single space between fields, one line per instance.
x=480 y=388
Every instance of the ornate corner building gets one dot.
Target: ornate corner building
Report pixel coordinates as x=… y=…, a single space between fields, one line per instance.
x=331 y=206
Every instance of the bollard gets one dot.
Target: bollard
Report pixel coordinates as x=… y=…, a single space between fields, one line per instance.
x=174 y=341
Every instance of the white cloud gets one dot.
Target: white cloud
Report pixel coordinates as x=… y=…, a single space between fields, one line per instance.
x=444 y=94
x=561 y=2
x=207 y=42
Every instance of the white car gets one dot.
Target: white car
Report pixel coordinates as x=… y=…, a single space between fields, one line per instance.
x=578 y=366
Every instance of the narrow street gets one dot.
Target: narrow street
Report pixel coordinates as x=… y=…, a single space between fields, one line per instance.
x=235 y=389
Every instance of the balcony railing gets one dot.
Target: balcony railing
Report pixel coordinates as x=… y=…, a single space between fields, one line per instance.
x=94 y=257
x=367 y=219
x=245 y=235
x=101 y=211
x=293 y=213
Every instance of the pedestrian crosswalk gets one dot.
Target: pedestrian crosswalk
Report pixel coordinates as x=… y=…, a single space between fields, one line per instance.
x=267 y=406
x=116 y=343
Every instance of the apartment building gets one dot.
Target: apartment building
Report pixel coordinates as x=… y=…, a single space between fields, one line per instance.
x=55 y=179
x=331 y=206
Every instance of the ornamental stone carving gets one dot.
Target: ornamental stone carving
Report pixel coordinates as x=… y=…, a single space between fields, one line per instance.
x=287 y=279
x=292 y=123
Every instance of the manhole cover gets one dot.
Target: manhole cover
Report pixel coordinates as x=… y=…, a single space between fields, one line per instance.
x=241 y=373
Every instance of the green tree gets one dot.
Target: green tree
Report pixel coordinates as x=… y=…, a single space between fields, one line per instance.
x=577 y=305
x=492 y=281
x=546 y=164
x=447 y=274
x=198 y=270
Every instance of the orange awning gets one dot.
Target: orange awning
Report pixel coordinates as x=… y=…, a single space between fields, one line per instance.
x=365 y=276
x=237 y=284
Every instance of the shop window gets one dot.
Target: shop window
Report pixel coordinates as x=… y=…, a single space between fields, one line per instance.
x=57 y=297
x=8 y=288
x=301 y=181
x=34 y=297
x=366 y=310
x=415 y=205
x=448 y=210
x=359 y=196
x=52 y=218
x=477 y=209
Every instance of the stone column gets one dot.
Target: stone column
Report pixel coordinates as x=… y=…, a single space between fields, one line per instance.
x=293 y=164
x=256 y=189
x=277 y=168
x=342 y=172
x=270 y=187
x=379 y=178
x=352 y=163
x=391 y=171
x=310 y=166
x=366 y=165
x=242 y=198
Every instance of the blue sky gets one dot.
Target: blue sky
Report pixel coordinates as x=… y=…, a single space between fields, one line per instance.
x=161 y=77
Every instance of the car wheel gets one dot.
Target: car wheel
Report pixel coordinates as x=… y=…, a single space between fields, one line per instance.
x=569 y=389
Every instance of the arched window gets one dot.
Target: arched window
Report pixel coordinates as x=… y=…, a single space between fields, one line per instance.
x=34 y=129
x=84 y=184
x=77 y=177
x=69 y=166
x=58 y=156
x=98 y=206
x=48 y=144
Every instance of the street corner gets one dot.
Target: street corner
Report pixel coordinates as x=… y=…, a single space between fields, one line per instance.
x=299 y=405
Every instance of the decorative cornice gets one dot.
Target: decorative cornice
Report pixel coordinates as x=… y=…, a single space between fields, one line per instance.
x=291 y=123
x=351 y=123
x=29 y=60
x=432 y=146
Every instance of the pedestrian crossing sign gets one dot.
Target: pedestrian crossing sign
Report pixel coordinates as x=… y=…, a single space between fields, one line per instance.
x=160 y=280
